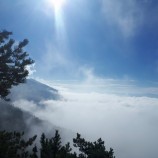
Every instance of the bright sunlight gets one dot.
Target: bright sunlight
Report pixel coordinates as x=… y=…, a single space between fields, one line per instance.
x=57 y=4
x=56 y=9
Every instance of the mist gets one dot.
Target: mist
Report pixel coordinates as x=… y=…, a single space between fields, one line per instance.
x=128 y=124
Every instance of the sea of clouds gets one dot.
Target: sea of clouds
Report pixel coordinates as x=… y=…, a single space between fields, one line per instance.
x=127 y=123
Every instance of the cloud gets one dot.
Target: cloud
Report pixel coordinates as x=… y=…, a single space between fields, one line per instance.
x=26 y=105
x=126 y=123
x=31 y=69
x=88 y=81
x=126 y=15
x=85 y=80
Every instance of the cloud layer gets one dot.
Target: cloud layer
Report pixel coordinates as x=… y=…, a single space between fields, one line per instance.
x=126 y=123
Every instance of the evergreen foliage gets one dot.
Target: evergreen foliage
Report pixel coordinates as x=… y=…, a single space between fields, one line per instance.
x=12 y=145
x=13 y=62
x=92 y=149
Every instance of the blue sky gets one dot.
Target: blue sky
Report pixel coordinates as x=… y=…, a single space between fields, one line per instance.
x=102 y=56
x=115 y=39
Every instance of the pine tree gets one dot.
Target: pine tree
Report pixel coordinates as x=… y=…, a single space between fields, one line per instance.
x=35 y=151
x=50 y=148
x=13 y=62
x=13 y=145
x=92 y=149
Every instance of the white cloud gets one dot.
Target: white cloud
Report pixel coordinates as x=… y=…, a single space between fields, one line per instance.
x=31 y=69
x=26 y=105
x=127 y=15
x=126 y=123
x=88 y=81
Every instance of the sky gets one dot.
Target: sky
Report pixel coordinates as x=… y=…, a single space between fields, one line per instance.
x=115 y=39
x=102 y=56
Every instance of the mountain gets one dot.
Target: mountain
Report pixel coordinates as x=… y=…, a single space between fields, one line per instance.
x=13 y=118
x=35 y=91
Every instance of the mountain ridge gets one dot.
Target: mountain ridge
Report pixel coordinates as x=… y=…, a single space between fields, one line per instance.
x=35 y=91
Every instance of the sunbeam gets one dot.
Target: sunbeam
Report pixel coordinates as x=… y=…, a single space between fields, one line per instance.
x=57 y=7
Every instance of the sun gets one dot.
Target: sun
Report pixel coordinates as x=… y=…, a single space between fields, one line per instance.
x=57 y=4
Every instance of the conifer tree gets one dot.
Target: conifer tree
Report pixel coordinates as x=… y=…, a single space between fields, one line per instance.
x=35 y=151
x=50 y=148
x=92 y=149
x=13 y=145
x=13 y=62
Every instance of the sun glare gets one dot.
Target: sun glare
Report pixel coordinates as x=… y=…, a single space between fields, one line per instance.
x=55 y=8
x=57 y=4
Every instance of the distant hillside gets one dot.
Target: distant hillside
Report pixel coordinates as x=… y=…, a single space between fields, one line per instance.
x=15 y=119
x=12 y=118
x=35 y=91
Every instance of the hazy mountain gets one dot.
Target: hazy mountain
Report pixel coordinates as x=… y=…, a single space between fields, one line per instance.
x=13 y=118
x=35 y=91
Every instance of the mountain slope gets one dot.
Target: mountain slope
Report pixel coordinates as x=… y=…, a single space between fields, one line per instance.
x=13 y=118
x=35 y=91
